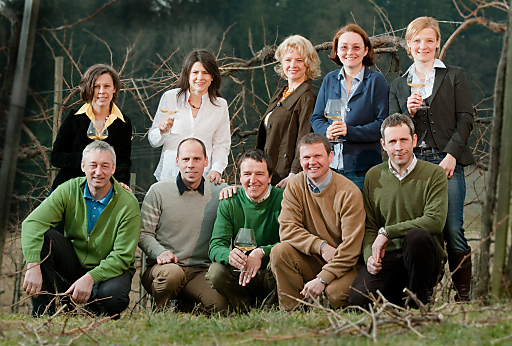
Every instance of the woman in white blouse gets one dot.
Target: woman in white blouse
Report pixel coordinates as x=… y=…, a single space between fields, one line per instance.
x=194 y=109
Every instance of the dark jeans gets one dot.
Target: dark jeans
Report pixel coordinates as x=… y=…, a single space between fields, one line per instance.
x=62 y=260
x=453 y=231
x=417 y=266
x=355 y=177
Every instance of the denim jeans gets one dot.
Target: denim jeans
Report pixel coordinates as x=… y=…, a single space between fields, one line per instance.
x=453 y=231
x=355 y=177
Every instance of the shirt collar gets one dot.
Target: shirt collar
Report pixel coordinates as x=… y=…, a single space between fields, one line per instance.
x=264 y=197
x=359 y=76
x=104 y=200
x=114 y=114
x=322 y=186
x=182 y=187
x=437 y=64
x=407 y=171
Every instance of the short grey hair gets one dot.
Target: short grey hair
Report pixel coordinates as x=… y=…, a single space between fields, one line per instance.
x=397 y=119
x=99 y=147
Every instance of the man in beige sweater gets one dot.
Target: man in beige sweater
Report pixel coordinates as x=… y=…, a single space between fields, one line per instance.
x=321 y=232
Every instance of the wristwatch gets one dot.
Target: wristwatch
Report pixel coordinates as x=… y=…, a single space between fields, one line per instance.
x=382 y=231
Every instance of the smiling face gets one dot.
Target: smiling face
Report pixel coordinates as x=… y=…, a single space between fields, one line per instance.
x=351 y=50
x=103 y=91
x=191 y=162
x=199 y=79
x=423 y=46
x=98 y=168
x=293 y=66
x=315 y=161
x=254 y=178
x=399 y=144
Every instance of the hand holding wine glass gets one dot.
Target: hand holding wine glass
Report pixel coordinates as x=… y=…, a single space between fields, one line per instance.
x=245 y=240
x=335 y=110
x=417 y=85
x=97 y=130
x=167 y=122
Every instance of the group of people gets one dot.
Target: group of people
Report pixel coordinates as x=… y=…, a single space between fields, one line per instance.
x=316 y=206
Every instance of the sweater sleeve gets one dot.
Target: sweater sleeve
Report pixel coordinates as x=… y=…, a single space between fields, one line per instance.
x=222 y=234
x=372 y=223
x=291 y=223
x=434 y=212
x=150 y=213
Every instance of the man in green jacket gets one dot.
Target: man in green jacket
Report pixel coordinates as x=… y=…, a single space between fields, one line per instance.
x=406 y=202
x=94 y=258
x=245 y=278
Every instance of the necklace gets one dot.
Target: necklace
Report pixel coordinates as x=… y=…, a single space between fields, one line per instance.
x=287 y=92
x=191 y=105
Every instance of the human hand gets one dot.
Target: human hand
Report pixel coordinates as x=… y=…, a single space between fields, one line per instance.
x=227 y=192
x=413 y=102
x=328 y=252
x=313 y=288
x=448 y=164
x=166 y=257
x=283 y=182
x=33 y=279
x=165 y=124
x=215 y=177
x=126 y=187
x=237 y=259
x=252 y=266
x=336 y=129
x=373 y=266
x=379 y=247
x=81 y=289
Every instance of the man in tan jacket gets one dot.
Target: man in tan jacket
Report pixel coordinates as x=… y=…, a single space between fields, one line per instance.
x=321 y=232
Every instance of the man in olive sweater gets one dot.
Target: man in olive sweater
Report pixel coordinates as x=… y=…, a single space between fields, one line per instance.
x=95 y=256
x=322 y=228
x=406 y=201
x=245 y=278
x=177 y=222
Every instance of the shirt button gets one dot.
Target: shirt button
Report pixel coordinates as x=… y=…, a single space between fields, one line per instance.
x=269 y=126
x=348 y=109
x=432 y=122
x=279 y=104
x=434 y=130
x=285 y=156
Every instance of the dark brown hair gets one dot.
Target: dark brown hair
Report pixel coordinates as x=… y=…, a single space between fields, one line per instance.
x=89 y=78
x=314 y=138
x=397 y=119
x=207 y=59
x=257 y=155
x=367 y=60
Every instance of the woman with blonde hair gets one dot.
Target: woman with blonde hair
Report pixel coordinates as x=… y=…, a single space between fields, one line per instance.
x=438 y=99
x=287 y=117
x=364 y=96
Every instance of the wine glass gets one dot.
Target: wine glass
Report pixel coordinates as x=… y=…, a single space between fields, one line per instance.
x=245 y=240
x=97 y=130
x=335 y=110
x=419 y=86
x=170 y=116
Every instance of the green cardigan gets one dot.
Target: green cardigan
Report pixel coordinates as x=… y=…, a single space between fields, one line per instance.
x=110 y=247
x=239 y=211
x=420 y=200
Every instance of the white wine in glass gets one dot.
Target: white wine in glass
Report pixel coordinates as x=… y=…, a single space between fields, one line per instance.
x=97 y=130
x=420 y=87
x=245 y=240
x=335 y=110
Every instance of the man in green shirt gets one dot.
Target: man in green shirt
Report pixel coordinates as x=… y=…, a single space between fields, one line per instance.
x=246 y=278
x=406 y=202
x=95 y=256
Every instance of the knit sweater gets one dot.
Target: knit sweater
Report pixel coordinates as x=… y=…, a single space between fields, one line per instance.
x=110 y=247
x=239 y=211
x=182 y=224
x=335 y=215
x=420 y=200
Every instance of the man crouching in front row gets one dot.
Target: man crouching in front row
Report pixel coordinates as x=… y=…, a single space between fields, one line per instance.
x=95 y=256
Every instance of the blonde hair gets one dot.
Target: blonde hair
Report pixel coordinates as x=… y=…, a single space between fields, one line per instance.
x=419 y=24
x=306 y=52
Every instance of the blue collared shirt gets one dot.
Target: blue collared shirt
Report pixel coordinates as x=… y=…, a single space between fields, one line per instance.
x=95 y=208
x=337 y=159
x=322 y=186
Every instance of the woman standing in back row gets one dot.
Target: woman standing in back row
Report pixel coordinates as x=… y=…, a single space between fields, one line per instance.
x=287 y=117
x=442 y=112
x=194 y=109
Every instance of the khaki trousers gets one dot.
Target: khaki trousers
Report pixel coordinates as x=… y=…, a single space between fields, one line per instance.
x=293 y=270
x=171 y=281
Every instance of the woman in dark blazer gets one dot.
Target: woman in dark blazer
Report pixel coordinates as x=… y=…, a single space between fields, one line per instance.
x=99 y=87
x=365 y=93
x=443 y=131
x=286 y=120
